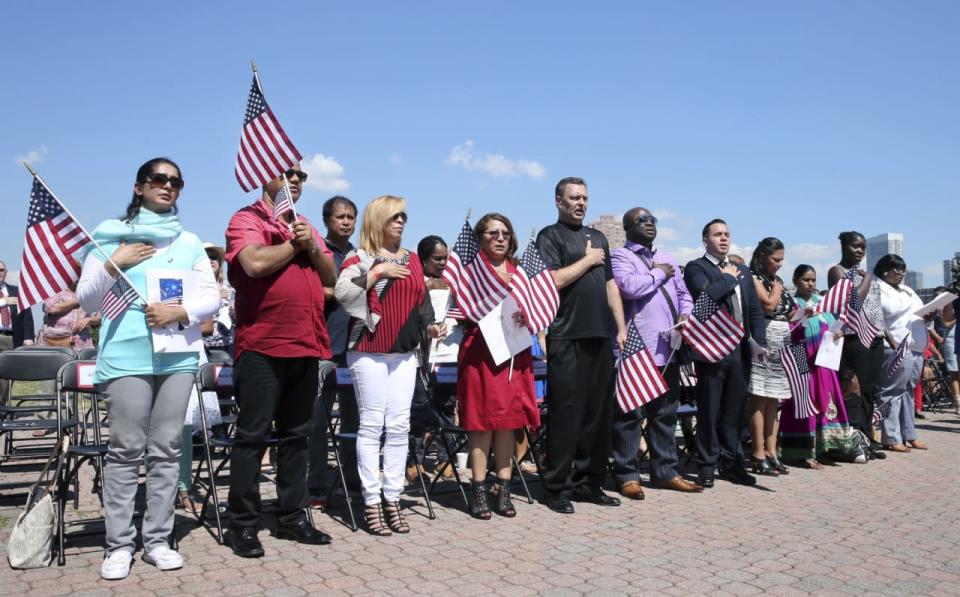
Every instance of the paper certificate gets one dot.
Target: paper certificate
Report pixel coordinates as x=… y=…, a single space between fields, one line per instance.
x=940 y=301
x=169 y=286
x=446 y=350
x=831 y=348
x=504 y=336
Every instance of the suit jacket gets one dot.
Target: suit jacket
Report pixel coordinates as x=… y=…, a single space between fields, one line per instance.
x=701 y=275
x=22 y=323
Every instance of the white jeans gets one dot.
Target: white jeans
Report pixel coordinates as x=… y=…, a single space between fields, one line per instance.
x=383 y=384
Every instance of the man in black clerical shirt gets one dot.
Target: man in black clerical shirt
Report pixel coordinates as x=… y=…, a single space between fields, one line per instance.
x=580 y=368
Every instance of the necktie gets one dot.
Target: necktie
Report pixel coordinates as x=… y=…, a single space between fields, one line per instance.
x=733 y=301
x=5 y=317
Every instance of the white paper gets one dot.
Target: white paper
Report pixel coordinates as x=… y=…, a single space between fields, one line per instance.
x=504 y=336
x=940 y=301
x=446 y=350
x=85 y=372
x=828 y=355
x=172 y=338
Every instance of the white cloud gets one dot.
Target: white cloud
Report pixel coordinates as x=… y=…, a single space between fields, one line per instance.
x=667 y=234
x=395 y=159
x=325 y=174
x=493 y=164
x=34 y=156
x=665 y=214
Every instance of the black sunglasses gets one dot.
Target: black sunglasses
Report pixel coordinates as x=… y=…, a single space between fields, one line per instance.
x=159 y=179
x=400 y=215
x=290 y=173
x=645 y=219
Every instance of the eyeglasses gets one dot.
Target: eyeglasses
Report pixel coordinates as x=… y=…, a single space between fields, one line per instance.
x=497 y=233
x=400 y=215
x=290 y=173
x=2 y=269
x=646 y=219
x=159 y=179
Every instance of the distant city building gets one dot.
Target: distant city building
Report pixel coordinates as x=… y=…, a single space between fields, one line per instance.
x=883 y=244
x=611 y=227
x=947 y=269
x=914 y=279
x=926 y=294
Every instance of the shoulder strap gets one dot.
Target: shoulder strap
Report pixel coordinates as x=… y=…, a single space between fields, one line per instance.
x=663 y=291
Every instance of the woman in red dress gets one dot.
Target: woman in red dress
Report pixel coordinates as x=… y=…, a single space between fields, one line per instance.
x=493 y=402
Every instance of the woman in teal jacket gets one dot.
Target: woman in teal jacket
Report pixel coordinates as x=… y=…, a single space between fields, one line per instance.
x=146 y=384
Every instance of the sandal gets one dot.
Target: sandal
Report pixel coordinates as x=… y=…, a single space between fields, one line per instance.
x=917 y=445
x=479 y=508
x=777 y=465
x=395 y=518
x=813 y=463
x=373 y=516
x=504 y=505
x=185 y=502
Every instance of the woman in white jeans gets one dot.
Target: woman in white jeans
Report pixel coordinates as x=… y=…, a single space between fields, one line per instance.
x=899 y=302
x=382 y=289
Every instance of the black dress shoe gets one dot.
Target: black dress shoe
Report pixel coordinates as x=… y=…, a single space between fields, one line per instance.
x=560 y=504
x=302 y=532
x=596 y=496
x=877 y=454
x=244 y=542
x=705 y=479
x=738 y=475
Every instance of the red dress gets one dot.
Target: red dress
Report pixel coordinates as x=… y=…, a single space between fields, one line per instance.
x=486 y=401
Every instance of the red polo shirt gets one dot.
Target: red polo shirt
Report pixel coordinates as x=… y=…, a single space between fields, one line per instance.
x=280 y=315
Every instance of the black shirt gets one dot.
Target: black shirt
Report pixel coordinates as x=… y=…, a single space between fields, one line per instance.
x=583 y=311
x=335 y=314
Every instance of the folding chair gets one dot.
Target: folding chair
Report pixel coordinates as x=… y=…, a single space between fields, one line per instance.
x=936 y=390
x=87 y=354
x=75 y=382
x=30 y=365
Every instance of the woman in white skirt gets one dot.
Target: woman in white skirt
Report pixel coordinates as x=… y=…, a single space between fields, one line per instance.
x=768 y=385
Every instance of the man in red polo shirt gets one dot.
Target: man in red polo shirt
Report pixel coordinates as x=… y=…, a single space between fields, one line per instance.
x=279 y=269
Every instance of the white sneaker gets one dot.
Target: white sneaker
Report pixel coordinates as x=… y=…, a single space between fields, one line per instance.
x=164 y=558
x=116 y=566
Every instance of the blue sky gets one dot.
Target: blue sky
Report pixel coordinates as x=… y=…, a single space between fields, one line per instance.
x=791 y=120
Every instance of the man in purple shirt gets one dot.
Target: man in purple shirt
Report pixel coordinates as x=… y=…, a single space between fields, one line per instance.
x=656 y=298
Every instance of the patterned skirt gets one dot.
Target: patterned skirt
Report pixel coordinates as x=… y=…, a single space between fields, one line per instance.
x=767 y=377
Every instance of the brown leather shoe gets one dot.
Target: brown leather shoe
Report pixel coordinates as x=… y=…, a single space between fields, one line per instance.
x=678 y=483
x=632 y=490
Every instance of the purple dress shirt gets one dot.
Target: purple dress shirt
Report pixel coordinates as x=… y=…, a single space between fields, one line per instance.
x=642 y=300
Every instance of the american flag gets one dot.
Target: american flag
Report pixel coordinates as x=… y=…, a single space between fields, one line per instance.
x=535 y=290
x=881 y=410
x=711 y=331
x=474 y=283
x=171 y=291
x=265 y=150
x=117 y=299
x=794 y=359
x=638 y=379
x=53 y=236
x=282 y=203
x=835 y=300
x=897 y=359
x=855 y=318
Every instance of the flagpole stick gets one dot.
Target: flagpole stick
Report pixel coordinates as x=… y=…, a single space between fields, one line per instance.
x=670 y=358
x=84 y=230
x=510 y=374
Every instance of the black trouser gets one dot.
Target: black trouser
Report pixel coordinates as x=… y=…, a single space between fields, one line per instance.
x=661 y=415
x=318 y=479
x=580 y=377
x=866 y=364
x=721 y=396
x=271 y=388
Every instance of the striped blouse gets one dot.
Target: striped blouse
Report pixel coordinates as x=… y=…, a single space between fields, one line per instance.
x=390 y=316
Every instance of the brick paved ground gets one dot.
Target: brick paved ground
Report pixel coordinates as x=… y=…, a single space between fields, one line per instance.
x=882 y=528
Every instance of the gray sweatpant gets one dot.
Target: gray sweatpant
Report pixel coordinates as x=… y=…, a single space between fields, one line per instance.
x=146 y=415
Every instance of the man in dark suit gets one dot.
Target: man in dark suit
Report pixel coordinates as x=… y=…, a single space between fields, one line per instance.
x=722 y=387
x=16 y=328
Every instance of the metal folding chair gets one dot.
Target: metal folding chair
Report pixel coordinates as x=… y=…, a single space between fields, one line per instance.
x=31 y=365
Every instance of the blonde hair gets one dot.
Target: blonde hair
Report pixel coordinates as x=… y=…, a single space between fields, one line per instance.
x=375 y=216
